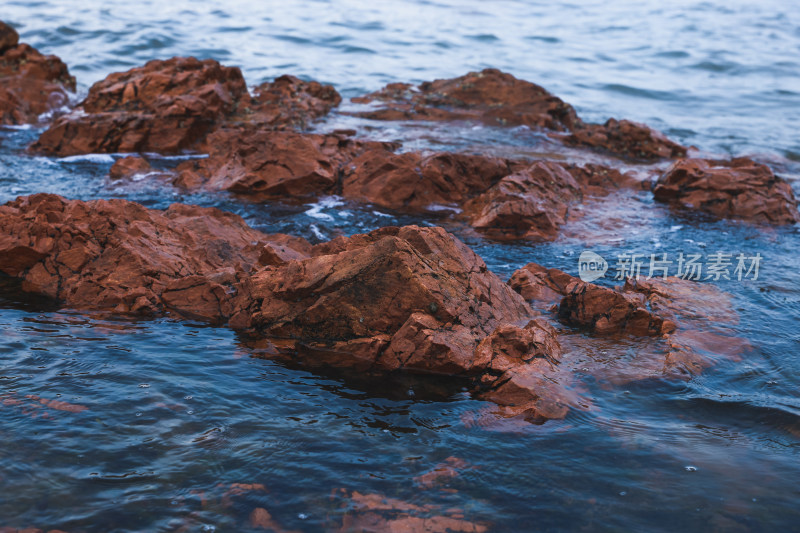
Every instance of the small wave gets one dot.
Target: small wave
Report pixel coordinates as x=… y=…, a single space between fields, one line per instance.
x=90 y=158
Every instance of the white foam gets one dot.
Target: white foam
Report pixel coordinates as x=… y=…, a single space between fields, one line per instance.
x=90 y=158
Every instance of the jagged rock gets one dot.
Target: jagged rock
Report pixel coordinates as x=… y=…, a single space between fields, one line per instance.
x=118 y=255
x=412 y=298
x=415 y=181
x=171 y=106
x=128 y=166
x=490 y=95
x=544 y=286
x=31 y=84
x=497 y=98
x=289 y=101
x=272 y=164
x=739 y=189
x=606 y=311
x=530 y=204
x=626 y=138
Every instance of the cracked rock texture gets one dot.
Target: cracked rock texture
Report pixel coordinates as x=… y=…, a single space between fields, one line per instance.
x=499 y=98
x=31 y=84
x=738 y=189
x=170 y=106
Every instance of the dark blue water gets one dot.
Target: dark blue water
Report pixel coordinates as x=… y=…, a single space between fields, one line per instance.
x=162 y=417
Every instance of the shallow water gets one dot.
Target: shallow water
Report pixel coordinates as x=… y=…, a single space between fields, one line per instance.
x=176 y=412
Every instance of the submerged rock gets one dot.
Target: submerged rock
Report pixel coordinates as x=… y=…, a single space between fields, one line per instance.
x=170 y=106
x=499 y=98
x=686 y=320
x=378 y=513
x=738 y=189
x=31 y=84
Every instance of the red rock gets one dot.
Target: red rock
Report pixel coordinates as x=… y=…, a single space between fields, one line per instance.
x=266 y=164
x=628 y=139
x=114 y=254
x=490 y=95
x=441 y=473
x=605 y=311
x=30 y=83
x=290 y=101
x=171 y=106
x=524 y=375
x=377 y=513
x=415 y=181
x=261 y=519
x=498 y=98
x=128 y=166
x=536 y=283
x=412 y=298
x=8 y=37
x=600 y=180
x=739 y=189
x=530 y=204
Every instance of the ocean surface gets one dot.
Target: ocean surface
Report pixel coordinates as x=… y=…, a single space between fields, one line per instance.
x=161 y=418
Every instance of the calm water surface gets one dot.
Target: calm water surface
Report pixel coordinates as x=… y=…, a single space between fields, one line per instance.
x=161 y=416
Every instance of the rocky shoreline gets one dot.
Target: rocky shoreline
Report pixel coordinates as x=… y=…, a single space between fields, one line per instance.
x=410 y=298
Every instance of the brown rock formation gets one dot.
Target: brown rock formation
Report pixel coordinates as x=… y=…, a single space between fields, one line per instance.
x=265 y=164
x=171 y=106
x=397 y=298
x=118 y=255
x=490 y=95
x=498 y=98
x=545 y=286
x=415 y=181
x=606 y=311
x=128 y=166
x=503 y=199
x=30 y=83
x=289 y=101
x=530 y=204
x=412 y=298
x=739 y=189
x=627 y=138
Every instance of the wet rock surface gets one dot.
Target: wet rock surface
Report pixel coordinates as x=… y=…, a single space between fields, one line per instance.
x=627 y=138
x=31 y=83
x=415 y=181
x=375 y=512
x=264 y=164
x=499 y=98
x=170 y=106
x=687 y=321
x=737 y=189
x=128 y=167
x=531 y=204
x=411 y=298
x=490 y=95
x=405 y=298
x=117 y=255
x=605 y=311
